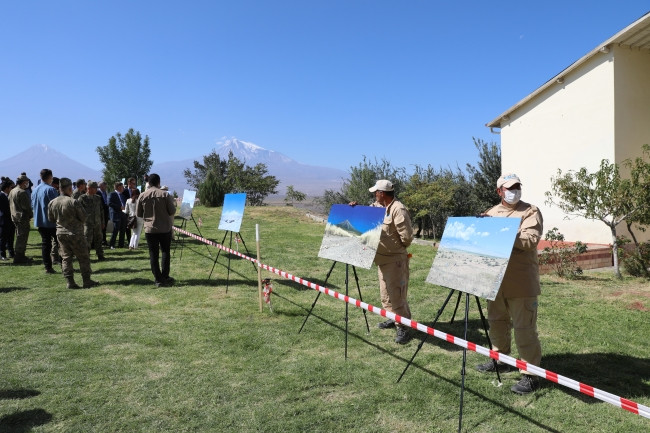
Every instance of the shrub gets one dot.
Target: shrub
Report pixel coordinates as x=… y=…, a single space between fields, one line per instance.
x=563 y=258
x=635 y=260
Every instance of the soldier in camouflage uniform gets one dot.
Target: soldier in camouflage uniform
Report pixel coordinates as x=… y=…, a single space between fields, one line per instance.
x=70 y=218
x=21 y=212
x=81 y=189
x=94 y=207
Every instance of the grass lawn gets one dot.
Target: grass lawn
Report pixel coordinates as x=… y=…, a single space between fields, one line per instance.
x=131 y=358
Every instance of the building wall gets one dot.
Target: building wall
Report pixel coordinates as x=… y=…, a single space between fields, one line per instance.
x=568 y=126
x=632 y=101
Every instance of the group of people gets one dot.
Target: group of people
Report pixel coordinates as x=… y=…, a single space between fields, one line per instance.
x=515 y=306
x=73 y=222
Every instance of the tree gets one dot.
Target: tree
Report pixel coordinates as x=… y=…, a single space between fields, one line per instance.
x=602 y=195
x=215 y=178
x=484 y=177
x=125 y=156
x=294 y=195
x=361 y=178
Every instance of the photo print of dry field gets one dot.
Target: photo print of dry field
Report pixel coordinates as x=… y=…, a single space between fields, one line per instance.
x=473 y=254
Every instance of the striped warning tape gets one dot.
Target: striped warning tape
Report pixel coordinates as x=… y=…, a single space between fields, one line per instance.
x=599 y=394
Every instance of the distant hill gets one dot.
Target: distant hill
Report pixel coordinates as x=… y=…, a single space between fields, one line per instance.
x=40 y=156
x=310 y=179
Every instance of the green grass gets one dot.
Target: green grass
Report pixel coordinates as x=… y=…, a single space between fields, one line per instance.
x=127 y=357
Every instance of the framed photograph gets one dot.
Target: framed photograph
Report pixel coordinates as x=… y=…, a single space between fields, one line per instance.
x=187 y=204
x=352 y=234
x=232 y=212
x=473 y=254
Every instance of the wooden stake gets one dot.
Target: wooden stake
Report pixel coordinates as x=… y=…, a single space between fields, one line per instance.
x=259 y=269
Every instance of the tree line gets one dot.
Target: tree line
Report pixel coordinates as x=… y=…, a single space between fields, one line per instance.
x=431 y=194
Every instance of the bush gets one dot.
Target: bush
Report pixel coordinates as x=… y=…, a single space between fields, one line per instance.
x=563 y=258
x=635 y=261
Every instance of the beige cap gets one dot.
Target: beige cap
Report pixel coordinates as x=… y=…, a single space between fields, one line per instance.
x=382 y=185
x=508 y=180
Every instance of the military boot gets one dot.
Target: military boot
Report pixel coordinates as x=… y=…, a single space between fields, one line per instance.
x=71 y=284
x=21 y=259
x=88 y=283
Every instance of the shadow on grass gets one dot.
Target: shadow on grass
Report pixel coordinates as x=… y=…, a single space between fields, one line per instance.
x=457 y=382
x=24 y=421
x=218 y=282
x=622 y=375
x=17 y=394
x=12 y=289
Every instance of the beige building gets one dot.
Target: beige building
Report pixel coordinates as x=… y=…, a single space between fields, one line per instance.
x=598 y=107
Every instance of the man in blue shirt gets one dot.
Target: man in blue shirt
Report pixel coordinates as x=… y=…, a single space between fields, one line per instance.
x=42 y=195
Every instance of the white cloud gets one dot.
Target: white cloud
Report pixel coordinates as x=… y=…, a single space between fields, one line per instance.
x=459 y=230
x=505 y=229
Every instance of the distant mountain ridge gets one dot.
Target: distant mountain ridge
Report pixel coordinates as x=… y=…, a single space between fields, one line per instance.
x=310 y=179
x=40 y=156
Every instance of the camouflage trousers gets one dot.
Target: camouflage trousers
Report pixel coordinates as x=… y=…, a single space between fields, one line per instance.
x=74 y=245
x=94 y=238
x=22 y=234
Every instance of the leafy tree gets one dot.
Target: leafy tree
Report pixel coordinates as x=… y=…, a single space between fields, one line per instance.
x=125 y=156
x=561 y=257
x=484 y=177
x=214 y=178
x=362 y=177
x=603 y=195
x=212 y=162
x=294 y=195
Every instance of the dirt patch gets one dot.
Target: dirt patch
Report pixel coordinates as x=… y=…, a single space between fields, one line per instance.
x=638 y=306
x=632 y=293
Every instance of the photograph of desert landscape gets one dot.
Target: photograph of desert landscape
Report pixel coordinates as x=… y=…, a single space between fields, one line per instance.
x=473 y=254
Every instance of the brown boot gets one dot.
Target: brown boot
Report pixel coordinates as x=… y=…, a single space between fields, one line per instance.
x=71 y=284
x=88 y=283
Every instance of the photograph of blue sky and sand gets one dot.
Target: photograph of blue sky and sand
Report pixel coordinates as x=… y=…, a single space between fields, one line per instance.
x=187 y=204
x=473 y=254
x=232 y=212
x=352 y=234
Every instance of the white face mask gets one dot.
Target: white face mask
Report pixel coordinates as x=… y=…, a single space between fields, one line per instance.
x=511 y=197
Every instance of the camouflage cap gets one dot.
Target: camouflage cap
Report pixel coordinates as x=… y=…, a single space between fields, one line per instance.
x=64 y=183
x=81 y=182
x=92 y=184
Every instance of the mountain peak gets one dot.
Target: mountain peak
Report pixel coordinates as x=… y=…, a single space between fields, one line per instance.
x=235 y=143
x=250 y=153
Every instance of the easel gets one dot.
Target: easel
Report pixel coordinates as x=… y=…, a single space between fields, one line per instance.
x=181 y=239
x=462 y=371
x=238 y=234
x=354 y=270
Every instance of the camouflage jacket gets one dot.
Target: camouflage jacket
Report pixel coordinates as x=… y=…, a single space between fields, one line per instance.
x=20 y=205
x=69 y=215
x=94 y=207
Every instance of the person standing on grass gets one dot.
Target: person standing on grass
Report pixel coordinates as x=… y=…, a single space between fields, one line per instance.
x=7 y=227
x=115 y=209
x=132 y=218
x=515 y=305
x=156 y=207
x=21 y=212
x=94 y=207
x=392 y=258
x=70 y=217
x=42 y=195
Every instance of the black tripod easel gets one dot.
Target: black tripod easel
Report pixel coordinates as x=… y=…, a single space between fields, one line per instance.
x=238 y=235
x=356 y=278
x=180 y=238
x=462 y=371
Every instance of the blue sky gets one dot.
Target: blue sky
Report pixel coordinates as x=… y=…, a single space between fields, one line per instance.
x=322 y=81
x=362 y=218
x=490 y=236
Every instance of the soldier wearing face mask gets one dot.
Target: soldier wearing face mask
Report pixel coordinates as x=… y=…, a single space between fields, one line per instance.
x=515 y=305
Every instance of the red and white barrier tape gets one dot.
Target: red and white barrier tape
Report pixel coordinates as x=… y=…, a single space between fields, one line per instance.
x=599 y=394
